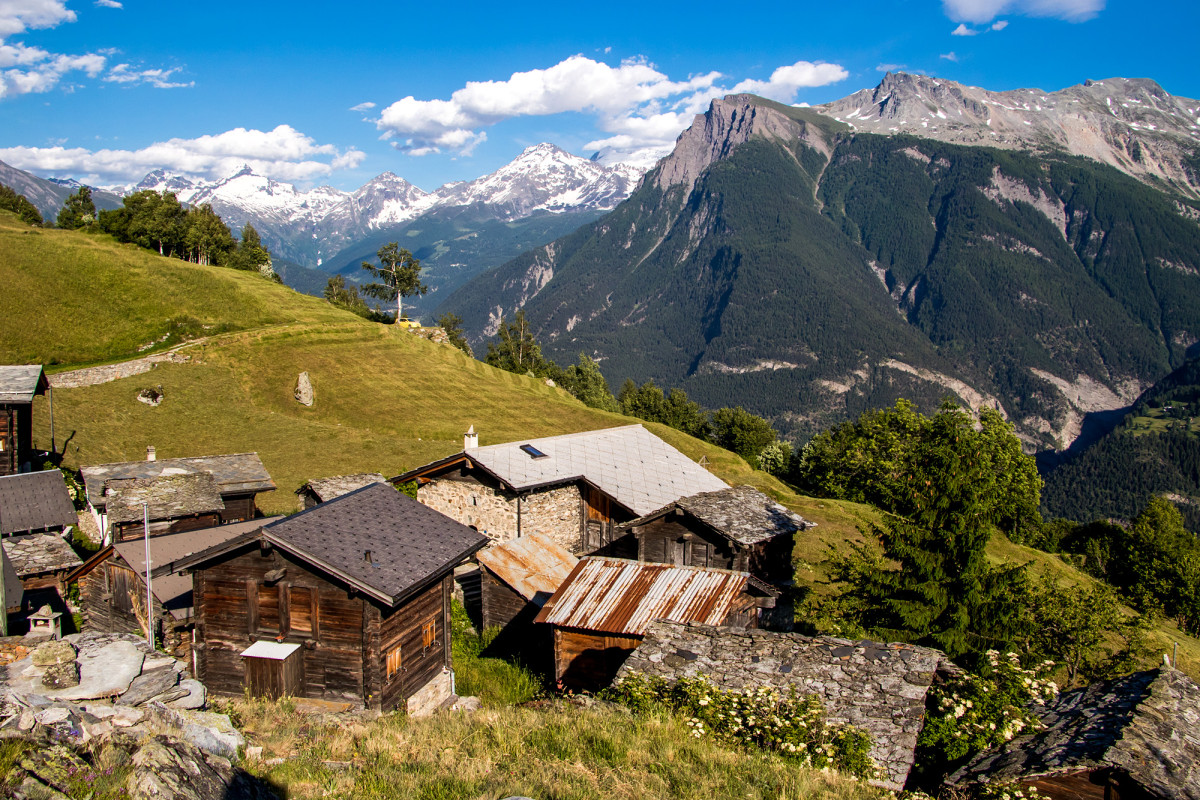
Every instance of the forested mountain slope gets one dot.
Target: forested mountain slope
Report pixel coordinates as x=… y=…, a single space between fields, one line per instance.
x=779 y=261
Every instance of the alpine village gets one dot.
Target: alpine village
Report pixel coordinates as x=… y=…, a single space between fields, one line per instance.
x=838 y=451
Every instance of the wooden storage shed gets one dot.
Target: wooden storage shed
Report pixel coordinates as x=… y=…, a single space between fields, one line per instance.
x=19 y=384
x=603 y=609
x=738 y=528
x=361 y=584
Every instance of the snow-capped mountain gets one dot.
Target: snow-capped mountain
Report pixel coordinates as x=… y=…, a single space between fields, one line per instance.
x=311 y=226
x=1131 y=124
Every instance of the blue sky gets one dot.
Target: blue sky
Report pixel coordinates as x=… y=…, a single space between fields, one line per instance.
x=337 y=93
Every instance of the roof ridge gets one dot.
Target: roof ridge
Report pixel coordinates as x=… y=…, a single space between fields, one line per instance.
x=661 y=566
x=593 y=432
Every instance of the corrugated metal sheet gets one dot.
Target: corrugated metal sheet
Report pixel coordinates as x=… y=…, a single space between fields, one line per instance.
x=531 y=564
x=617 y=596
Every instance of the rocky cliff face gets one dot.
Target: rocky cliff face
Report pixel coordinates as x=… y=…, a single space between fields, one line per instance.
x=1131 y=124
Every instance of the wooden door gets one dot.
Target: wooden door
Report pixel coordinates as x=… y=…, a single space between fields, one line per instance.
x=597 y=521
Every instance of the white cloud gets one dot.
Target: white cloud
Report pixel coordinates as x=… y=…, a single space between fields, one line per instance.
x=1000 y=25
x=108 y=4
x=18 y=16
x=635 y=102
x=963 y=30
x=367 y=106
x=283 y=153
x=888 y=67
x=951 y=56
x=158 y=78
x=980 y=12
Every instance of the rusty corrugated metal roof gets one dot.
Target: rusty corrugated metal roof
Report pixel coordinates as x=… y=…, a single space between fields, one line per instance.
x=618 y=596
x=532 y=564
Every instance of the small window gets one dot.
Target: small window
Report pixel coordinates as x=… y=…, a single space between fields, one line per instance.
x=533 y=451
x=428 y=633
x=393 y=662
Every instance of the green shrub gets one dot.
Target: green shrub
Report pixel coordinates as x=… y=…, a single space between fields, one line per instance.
x=787 y=724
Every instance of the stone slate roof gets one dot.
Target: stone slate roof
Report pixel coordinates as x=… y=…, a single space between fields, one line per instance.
x=236 y=473
x=1146 y=724
x=35 y=501
x=879 y=688
x=629 y=464
x=173 y=590
x=40 y=553
x=613 y=595
x=409 y=543
x=328 y=488
x=168 y=497
x=534 y=565
x=18 y=384
x=742 y=514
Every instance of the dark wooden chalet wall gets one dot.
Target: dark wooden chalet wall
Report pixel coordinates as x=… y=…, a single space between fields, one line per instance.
x=238 y=508
x=109 y=594
x=128 y=531
x=346 y=638
x=684 y=541
x=505 y=608
x=587 y=659
x=16 y=434
x=501 y=603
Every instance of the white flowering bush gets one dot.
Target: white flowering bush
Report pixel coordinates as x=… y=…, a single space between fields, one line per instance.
x=971 y=713
x=784 y=723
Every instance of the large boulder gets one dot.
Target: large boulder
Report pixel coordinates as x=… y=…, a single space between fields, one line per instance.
x=168 y=768
x=304 y=390
x=61 y=676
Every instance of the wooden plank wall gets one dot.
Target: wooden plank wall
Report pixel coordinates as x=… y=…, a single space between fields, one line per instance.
x=501 y=603
x=587 y=660
x=9 y=465
x=238 y=508
x=235 y=607
x=404 y=627
x=130 y=531
x=667 y=541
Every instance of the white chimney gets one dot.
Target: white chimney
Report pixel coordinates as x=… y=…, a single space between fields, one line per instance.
x=150 y=456
x=470 y=438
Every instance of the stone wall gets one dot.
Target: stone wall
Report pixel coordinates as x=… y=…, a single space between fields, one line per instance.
x=555 y=512
x=879 y=688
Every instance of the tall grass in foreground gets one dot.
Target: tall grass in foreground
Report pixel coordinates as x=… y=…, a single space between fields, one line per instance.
x=563 y=752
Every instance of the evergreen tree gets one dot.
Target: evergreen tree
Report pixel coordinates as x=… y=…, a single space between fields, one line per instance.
x=19 y=205
x=585 y=381
x=452 y=325
x=250 y=253
x=398 y=276
x=517 y=351
x=78 y=211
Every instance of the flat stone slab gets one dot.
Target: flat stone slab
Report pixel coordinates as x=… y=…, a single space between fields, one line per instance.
x=196 y=697
x=105 y=672
x=150 y=684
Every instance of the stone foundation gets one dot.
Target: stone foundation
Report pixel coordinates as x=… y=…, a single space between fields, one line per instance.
x=431 y=696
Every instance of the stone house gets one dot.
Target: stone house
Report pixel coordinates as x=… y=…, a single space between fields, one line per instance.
x=321 y=489
x=738 y=528
x=348 y=601
x=878 y=688
x=1137 y=736
x=112 y=584
x=235 y=480
x=19 y=384
x=576 y=488
x=602 y=611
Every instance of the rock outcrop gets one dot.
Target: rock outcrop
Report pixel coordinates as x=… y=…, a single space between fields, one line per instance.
x=304 y=390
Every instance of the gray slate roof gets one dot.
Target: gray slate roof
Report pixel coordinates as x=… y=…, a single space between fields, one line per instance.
x=18 y=384
x=35 y=501
x=1147 y=724
x=629 y=464
x=173 y=590
x=40 y=553
x=742 y=514
x=168 y=497
x=410 y=543
x=879 y=688
x=236 y=473
x=328 y=488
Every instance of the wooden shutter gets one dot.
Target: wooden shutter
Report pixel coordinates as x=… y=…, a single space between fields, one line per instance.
x=121 y=582
x=428 y=633
x=268 y=609
x=394 y=662
x=301 y=610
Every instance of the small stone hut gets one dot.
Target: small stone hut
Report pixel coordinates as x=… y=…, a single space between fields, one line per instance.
x=321 y=489
x=739 y=528
x=602 y=611
x=1137 y=736
x=879 y=688
x=576 y=488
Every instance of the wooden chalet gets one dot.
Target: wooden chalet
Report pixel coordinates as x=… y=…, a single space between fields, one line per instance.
x=516 y=579
x=346 y=601
x=1133 y=737
x=18 y=386
x=184 y=493
x=35 y=502
x=739 y=528
x=575 y=488
x=603 y=609
x=318 y=491
x=112 y=584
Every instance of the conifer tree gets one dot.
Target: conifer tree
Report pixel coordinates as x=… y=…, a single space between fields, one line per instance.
x=78 y=211
x=398 y=276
